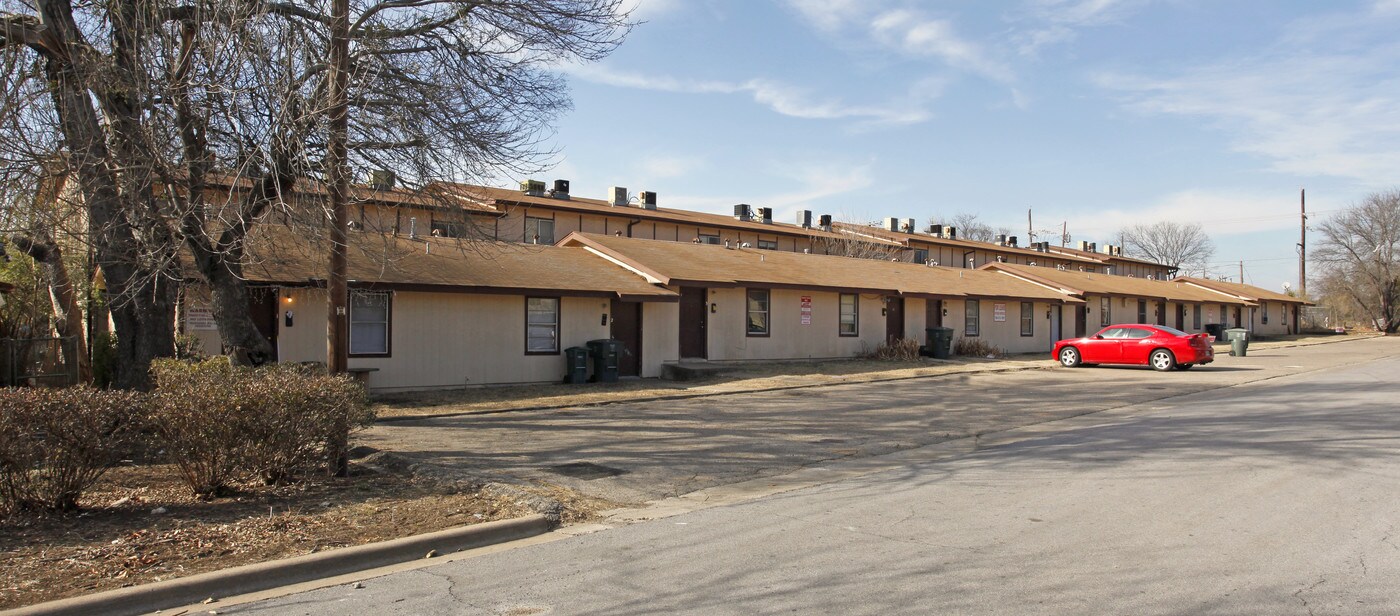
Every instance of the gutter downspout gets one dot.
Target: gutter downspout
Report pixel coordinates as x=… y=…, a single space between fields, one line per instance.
x=632 y=223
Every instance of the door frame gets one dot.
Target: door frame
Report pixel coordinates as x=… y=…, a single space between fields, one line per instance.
x=894 y=323
x=616 y=307
x=699 y=329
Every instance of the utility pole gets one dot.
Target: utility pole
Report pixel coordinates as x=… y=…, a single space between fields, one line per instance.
x=1030 y=228
x=1064 y=234
x=337 y=174
x=1241 y=272
x=1303 y=243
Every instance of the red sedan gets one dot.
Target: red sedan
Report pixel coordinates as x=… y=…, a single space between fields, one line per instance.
x=1159 y=346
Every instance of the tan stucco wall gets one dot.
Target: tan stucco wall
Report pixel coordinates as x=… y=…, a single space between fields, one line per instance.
x=1006 y=335
x=788 y=338
x=449 y=339
x=1280 y=319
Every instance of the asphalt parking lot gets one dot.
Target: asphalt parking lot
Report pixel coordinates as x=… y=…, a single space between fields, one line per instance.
x=637 y=452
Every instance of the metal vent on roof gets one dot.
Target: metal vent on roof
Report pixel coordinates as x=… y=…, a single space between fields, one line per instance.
x=804 y=219
x=648 y=199
x=743 y=211
x=617 y=196
x=561 y=189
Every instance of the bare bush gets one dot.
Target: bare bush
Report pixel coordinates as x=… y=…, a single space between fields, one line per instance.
x=976 y=347
x=55 y=443
x=902 y=349
x=220 y=423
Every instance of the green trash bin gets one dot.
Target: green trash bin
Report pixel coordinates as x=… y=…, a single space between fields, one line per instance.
x=1239 y=340
x=605 y=357
x=576 y=365
x=940 y=342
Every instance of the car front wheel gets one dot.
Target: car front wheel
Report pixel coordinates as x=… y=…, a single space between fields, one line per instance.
x=1162 y=360
x=1069 y=357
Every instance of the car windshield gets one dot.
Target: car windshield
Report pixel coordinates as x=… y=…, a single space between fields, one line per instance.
x=1172 y=330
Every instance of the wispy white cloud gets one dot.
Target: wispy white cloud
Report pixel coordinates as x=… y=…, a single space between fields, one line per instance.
x=799 y=186
x=782 y=98
x=1053 y=22
x=1309 y=113
x=1237 y=212
x=919 y=35
x=643 y=10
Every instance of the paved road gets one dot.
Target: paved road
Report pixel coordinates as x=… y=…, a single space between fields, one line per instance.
x=675 y=447
x=1276 y=497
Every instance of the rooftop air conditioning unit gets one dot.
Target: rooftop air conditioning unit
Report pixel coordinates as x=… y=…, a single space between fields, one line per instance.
x=382 y=179
x=766 y=215
x=743 y=211
x=1001 y=239
x=1084 y=246
x=534 y=188
x=824 y=222
x=951 y=233
x=561 y=189
x=804 y=219
x=617 y=196
x=935 y=230
x=1011 y=241
x=891 y=223
x=1094 y=247
x=909 y=225
x=648 y=199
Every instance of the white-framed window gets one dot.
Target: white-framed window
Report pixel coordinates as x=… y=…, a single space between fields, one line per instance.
x=758 y=309
x=541 y=325
x=850 y=315
x=972 y=318
x=370 y=313
x=1105 y=311
x=768 y=244
x=708 y=239
x=539 y=230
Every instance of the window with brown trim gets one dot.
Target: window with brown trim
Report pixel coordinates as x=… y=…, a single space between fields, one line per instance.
x=850 y=315
x=758 y=312
x=539 y=230
x=1027 y=319
x=972 y=318
x=1105 y=311
x=370 y=313
x=541 y=326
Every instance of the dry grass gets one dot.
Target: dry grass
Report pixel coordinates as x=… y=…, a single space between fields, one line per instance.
x=117 y=541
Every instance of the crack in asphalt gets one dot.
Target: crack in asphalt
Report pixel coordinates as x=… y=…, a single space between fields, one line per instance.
x=1298 y=594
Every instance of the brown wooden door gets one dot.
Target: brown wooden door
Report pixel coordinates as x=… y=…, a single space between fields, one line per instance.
x=627 y=327
x=694 y=311
x=933 y=313
x=1181 y=317
x=1081 y=321
x=1161 y=313
x=894 y=318
x=262 y=306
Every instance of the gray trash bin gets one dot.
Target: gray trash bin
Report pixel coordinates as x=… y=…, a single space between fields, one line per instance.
x=575 y=365
x=940 y=342
x=605 y=357
x=1239 y=340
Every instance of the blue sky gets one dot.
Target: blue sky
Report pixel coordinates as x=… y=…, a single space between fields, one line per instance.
x=1095 y=113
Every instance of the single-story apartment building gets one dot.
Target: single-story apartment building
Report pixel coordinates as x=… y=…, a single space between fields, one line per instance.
x=432 y=312
x=1272 y=314
x=1110 y=299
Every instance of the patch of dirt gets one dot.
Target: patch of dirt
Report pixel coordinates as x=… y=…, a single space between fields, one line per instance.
x=117 y=541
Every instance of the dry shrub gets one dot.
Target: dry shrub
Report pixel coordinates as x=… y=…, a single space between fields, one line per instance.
x=55 y=443
x=220 y=423
x=974 y=347
x=903 y=349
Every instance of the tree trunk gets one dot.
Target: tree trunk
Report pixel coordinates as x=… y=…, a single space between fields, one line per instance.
x=68 y=316
x=242 y=341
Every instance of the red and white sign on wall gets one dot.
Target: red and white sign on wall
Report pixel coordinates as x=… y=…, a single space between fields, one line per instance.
x=999 y=312
x=806 y=309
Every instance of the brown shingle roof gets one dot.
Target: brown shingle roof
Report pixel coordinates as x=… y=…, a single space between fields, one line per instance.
x=433 y=263
x=1249 y=292
x=1080 y=283
x=905 y=238
x=708 y=265
x=503 y=198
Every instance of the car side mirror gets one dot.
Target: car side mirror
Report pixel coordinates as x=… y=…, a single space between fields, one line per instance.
x=1098 y=336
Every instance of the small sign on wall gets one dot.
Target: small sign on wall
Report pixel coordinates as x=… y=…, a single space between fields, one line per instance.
x=806 y=309
x=999 y=312
x=199 y=317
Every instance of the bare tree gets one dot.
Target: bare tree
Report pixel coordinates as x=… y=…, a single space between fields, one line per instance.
x=1357 y=256
x=1185 y=247
x=971 y=227
x=862 y=248
x=214 y=118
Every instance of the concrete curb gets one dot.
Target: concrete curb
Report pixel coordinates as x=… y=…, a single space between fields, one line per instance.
x=707 y=394
x=262 y=576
